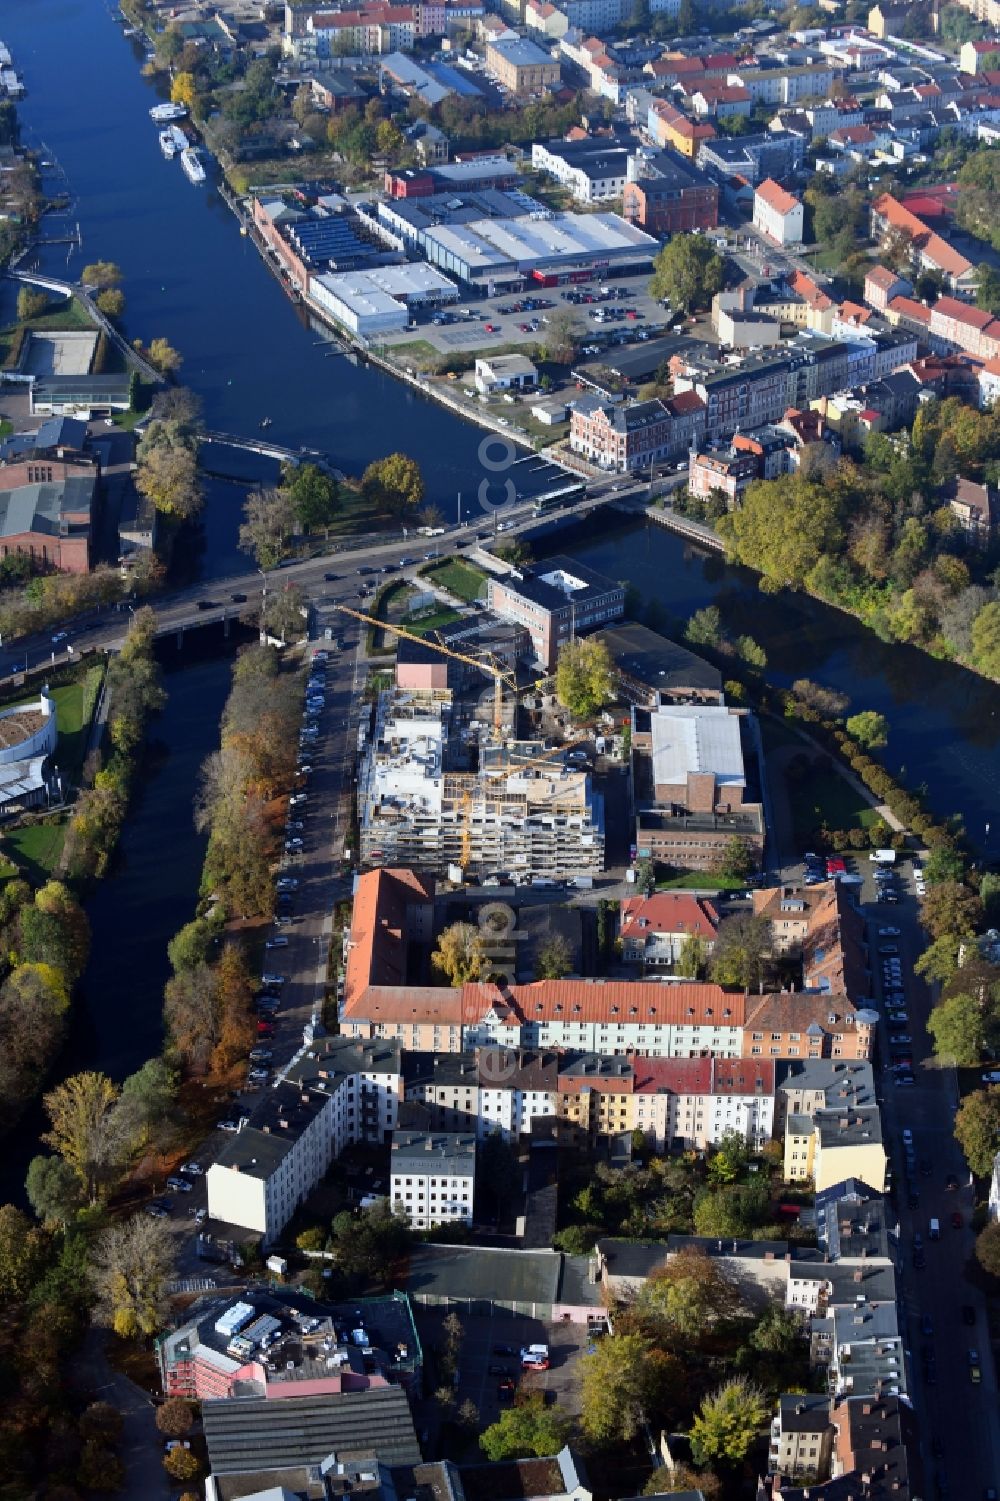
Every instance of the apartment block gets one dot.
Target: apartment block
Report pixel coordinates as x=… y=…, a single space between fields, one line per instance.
x=631 y=435
x=777 y=213
x=803 y=1025
x=665 y=194
x=594 y=170
x=432 y=1177
x=802 y=1435
x=335 y=1094
x=689 y=1104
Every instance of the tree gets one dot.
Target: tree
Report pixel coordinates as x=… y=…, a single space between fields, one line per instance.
x=190 y=1014
x=393 y=484
x=585 y=679
x=526 y=1429
x=730 y=1211
x=783 y=528
x=728 y=1423
x=164 y=357
x=704 y=627
x=986 y=639
x=132 y=1262
x=175 y=1417
x=111 y=302
x=554 y=958
x=192 y=944
x=180 y=1464
x=988 y=1249
x=951 y=907
x=85 y=1129
x=53 y=1190
x=616 y=1387
x=101 y=275
x=23 y=1248
x=270 y=522
x=31 y=303
x=184 y=89
x=99 y=1468
x=940 y=960
x=730 y=1159
x=687 y=272
x=868 y=728
x=690 y=1297
x=681 y=1477
x=743 y=946
x=736 y=862
x=988 y=288
x=693 y=957
x=977 y=1129
x=459 y=955
x=102 y=1422
x=54 y=930
x=147 y=1100
x=562 y=336
x=314 y=495
x=167 y=475
x=286 y=613
x=958 y=1030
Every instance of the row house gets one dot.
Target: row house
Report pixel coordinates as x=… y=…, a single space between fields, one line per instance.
x=370 y=29
x=927 y=249
x=784 y=85
x=690 y=1104
x=670 y=126
x=626 y=436
x=958 y=325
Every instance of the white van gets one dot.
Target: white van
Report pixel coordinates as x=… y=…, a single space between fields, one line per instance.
x=934 y=1231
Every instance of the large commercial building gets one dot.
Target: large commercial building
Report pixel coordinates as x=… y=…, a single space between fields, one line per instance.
x=665 y=195
x=542 y=245
x=555 y=601
x=752 y=157
x=378 y=301
x=691 y=786
x=521 y=66
x=335 y=1094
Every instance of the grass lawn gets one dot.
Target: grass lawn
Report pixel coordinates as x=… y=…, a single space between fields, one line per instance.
x=66 y=316
x=435 y=621
x=458 y=577
x=825 y=797
x=36 y=849
x=700 y=880
x=128 y=420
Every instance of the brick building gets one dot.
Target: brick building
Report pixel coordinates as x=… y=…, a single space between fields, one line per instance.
x=671 y=196
x=554 y=601
x=47 y=501
x=633 y=435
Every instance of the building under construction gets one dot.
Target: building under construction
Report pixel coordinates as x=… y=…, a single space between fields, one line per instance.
x=521 y=809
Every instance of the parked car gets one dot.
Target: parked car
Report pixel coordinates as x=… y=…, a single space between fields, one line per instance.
x=278 y=942
x=293 y=846
x=194 y=1168
x=907 y=1137
x=888 y=932
x=179 y=1185
x=272 y=979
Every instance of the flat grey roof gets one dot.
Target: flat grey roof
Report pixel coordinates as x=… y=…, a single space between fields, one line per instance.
x=257 y=1433
x=492 y=1274
x=649 y=658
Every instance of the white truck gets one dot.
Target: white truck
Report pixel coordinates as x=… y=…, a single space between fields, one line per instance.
x=883 y=857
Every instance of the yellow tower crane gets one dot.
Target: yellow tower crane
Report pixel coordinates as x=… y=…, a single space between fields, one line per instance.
x=490 y=666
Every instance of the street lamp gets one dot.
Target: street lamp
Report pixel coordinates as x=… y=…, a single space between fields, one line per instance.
x=263 y=606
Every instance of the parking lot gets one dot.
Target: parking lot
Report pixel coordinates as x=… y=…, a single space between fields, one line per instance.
x=483 y=1362
x=476 y=322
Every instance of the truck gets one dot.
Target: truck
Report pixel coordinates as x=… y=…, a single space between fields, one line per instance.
x=883 y=857
x=934 y=1231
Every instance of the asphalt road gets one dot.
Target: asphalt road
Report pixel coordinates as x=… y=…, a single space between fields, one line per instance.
x=954 y=1413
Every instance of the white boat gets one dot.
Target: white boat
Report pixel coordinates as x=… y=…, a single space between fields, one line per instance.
x=180 y=140
x=162 y=114
x=192 y=166
x=167 y=144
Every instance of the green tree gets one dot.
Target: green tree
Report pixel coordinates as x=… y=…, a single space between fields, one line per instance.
x=977 y=1129
x=940 y=960
x=989 y=895
x=111 y=302
x=704 y=627
x=554 y=958
x=958 y=1030
x=393 y=484
x=163 y=357
x=23 y=1248
x=690 y=1298
x=585 y=679
x=986 y=639
x=743 y=947
x=192 y=945
x=53 y=1190
x=315 y=497
x=736 y=862
x=616 y=1388
x=945 y=863
x=85 y=1129
x=728 y=1423
x=783 y=529
x=529 y=1428
x=868 y=728
x=730 y=1159
x=460 y=955
x=693 y=957
x=31 y=303
x=181 y=1465
x=730 y=1211
x=988 y=1249
x=687 y=272
x=988 y=288
x=147 y=1100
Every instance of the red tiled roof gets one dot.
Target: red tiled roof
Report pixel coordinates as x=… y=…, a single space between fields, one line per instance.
x=938 y=251
x=906 y=307
x=882 y=277
x=775 y=196
x=613 y=1001
x=962 y=312
x=668 y=912
x=377 y=955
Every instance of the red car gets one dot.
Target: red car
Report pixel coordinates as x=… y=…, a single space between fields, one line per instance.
x=490 y=328
x=956 y=1220
x=265 y=1029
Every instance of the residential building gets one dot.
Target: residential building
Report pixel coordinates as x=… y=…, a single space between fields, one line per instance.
x=977 y=507
x=373 y=28
x=665 y=194
x=432 y=1177
x=550 y=20
x=670 y=126
x=654 y=929
x=505 y=372
x=821 y=924
x=751 y=157
x=927 y=249
x=834 y=1144
x=260 y=1343
x=806 y=1026
x=432 y=145
x=392 y=910
x=632 y=435
x=336 y=1093
x=882 y=285
x=788 y=84
x=722 y=101
x=554 y=601
x=957 y=325
x=980 y=56
x=876 y=1435
x=802 y=1436
x=777 y=213
x=594 y=169
x=522 y=66
x=522 y=811
x=690 y=785
x=723 y=471
x=690 y=1104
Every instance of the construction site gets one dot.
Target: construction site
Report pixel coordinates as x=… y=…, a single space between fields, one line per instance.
x=446 y=781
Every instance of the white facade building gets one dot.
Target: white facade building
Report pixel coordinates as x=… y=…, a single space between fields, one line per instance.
x=777 y=214
x=433 y=1177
